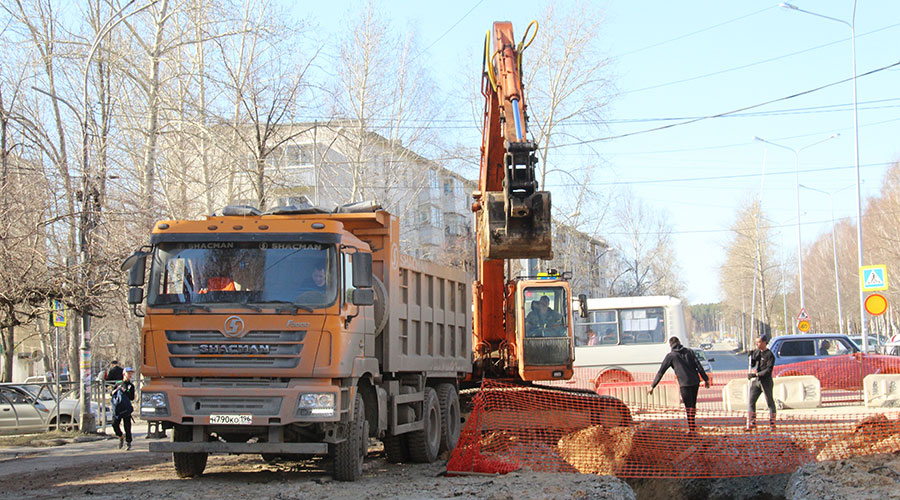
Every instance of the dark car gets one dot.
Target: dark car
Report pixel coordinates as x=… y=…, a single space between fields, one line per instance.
x=706 y=346
x=832 y=358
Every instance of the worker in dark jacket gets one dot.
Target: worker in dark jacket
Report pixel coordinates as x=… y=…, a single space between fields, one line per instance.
x=761 y=381
x=121 y=399
x=688 y=371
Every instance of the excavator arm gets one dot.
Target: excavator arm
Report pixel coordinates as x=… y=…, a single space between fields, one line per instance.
x=513 y=222
x=513 y=216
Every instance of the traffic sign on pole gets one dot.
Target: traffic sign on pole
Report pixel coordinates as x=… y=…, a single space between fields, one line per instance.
x=876 y=304
x=802 y=316
x=803 y=325
x=873 y=278
x=59 y=313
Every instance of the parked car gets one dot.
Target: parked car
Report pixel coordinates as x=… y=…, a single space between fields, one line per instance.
x=831 y=357
x=705 y=362
x=892 y=349
x=874 y=345
x=706 y=346
x=29 y=408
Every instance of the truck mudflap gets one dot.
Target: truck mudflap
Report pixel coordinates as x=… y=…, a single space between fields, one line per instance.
x=220 y=447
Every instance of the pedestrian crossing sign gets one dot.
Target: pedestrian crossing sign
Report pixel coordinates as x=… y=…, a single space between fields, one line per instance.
x=58 y=313
x=873 y=278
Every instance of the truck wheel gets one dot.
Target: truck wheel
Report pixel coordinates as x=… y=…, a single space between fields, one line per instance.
x=395 y=448
x=450 y=419
x=187 y=464
x=350 y=453
x=425 y=444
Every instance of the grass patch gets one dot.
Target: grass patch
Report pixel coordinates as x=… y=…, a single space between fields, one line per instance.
x=31 y=439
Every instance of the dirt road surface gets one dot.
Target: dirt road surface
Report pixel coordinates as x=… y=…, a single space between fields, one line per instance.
x=99 y=470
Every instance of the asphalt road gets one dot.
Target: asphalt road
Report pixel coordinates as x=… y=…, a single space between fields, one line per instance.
x=726 y=359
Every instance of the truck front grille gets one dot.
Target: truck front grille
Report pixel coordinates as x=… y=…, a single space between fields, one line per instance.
x=208 y=405
x=256 y=349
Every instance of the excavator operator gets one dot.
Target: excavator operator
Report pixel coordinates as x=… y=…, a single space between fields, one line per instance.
x=542 y=321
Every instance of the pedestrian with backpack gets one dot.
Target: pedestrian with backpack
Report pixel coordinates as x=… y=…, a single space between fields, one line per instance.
x=121 y=399
x=688 y=371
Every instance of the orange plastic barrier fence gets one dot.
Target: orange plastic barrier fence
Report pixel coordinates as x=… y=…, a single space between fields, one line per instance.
x=841 y=377
x=547 y=429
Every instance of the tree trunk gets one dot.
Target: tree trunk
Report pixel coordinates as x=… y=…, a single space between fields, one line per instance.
x=9 y=343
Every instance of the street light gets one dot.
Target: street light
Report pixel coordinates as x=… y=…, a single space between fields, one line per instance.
x=89 y=196
x=796 y=152
x=859 y=234
x=837 y=280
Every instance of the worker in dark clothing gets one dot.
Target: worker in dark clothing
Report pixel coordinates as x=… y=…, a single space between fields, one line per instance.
x=115 y=373
x=688 y=371
x=761 y=381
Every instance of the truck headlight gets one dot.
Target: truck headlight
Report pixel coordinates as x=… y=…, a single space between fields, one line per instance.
x=319 y=404
x=154 y=404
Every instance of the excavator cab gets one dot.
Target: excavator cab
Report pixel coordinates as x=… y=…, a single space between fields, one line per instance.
x=543 y=329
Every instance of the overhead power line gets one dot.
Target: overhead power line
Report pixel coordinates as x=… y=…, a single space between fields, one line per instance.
x=726 y=113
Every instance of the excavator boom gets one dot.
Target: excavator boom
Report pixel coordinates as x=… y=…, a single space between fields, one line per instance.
x=513 y=222
x=513 y=216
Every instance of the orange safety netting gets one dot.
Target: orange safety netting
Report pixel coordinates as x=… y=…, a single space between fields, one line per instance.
x=841 y=377
x=548 y=429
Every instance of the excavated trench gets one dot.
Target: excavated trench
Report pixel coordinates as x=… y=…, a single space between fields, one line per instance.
x=773 y=487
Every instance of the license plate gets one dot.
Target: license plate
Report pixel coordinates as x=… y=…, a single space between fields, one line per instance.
x=231 y=419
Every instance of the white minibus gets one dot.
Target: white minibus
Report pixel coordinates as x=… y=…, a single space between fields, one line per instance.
x=621 y=336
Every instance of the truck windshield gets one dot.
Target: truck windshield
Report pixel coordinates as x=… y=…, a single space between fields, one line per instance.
x=224 y=273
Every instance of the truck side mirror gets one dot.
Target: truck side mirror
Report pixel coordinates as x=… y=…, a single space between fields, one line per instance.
x=136 y=263
x=135 y=295
x=363 y=297
x=362 y=270
x=582 y=305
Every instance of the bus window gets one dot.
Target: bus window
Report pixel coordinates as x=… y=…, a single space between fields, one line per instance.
x=643 y=326
x=599 y=328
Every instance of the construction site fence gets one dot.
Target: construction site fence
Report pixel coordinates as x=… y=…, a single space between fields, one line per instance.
x=594 y=428
x=840 y=379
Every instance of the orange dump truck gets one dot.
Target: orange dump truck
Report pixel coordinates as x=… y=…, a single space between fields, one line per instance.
x=297 y=333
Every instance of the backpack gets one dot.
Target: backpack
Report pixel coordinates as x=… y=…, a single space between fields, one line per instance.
x=121 y=405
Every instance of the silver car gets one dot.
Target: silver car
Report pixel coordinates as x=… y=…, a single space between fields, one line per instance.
x=30 y=408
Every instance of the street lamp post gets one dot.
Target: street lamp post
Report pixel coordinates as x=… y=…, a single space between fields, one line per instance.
x=837 y=280
x=89 y=196
x=859 y=233
x=796 y=152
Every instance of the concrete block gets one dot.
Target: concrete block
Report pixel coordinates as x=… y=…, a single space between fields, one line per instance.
x=635 y=393
x=881 y=390
x=800 y=391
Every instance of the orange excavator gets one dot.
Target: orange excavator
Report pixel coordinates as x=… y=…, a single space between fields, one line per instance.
x=522 y=325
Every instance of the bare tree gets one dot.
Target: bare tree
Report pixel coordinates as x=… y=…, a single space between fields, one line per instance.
x=749 y=257
x=385 y=89
x=645 y=260
x=267 y=91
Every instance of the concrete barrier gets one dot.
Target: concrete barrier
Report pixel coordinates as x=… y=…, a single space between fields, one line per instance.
x=881 y=390
x=666 y=394
x=800 y=391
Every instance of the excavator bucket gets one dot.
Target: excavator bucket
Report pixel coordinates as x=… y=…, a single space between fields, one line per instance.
x=503 y=236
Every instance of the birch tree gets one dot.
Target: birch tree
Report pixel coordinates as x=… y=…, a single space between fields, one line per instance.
x=645 y=260
x=384 y=88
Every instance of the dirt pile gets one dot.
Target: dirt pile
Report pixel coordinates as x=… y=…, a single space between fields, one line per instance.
x=650 y=449
x=873 y=435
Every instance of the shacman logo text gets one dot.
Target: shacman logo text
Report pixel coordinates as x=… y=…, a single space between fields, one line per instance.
x=234 y=326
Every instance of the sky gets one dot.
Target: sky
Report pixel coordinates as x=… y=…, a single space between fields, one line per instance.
x=673 y=62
